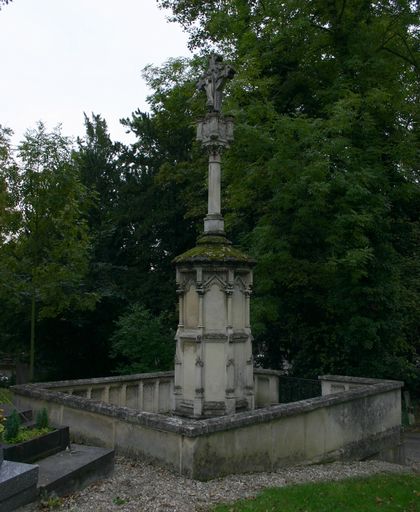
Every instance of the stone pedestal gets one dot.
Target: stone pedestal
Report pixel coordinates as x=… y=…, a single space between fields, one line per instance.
x=213 y=364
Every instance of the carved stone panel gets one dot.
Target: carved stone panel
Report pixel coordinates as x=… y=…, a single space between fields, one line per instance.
x=189 y=360
x=215 y=371
x=215 y=308
x=238 y=320
x=191 y=311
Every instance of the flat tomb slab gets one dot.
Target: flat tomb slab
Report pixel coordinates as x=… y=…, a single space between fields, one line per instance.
x=73 y=469
x=18 y=484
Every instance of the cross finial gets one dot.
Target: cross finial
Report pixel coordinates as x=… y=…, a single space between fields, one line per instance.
x=213 y=82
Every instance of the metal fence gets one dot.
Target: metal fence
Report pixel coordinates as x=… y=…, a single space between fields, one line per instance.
x=293 y=389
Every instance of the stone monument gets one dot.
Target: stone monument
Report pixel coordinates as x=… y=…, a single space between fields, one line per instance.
x=213 y=362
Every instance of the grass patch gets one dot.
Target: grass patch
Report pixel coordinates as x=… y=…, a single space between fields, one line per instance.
x=384 y=493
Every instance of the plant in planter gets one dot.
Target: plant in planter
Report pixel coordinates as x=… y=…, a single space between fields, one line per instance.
x=42 y=421
x=29 y=444
x=15 y=433
x=12 y=427
x=2 y=420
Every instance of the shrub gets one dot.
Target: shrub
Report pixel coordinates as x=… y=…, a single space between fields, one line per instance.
x=12 y=426
x=42 y=421
x=143 y=342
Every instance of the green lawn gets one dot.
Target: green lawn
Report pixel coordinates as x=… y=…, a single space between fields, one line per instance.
x=381 y=493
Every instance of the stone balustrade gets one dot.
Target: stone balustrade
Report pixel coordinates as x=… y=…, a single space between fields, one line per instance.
x=153 y=392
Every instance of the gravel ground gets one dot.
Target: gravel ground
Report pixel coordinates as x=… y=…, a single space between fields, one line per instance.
x=138 y=486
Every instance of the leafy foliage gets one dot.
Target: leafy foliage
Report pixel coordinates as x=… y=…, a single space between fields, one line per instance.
x=321 y=186
x=45 y=241
x=12 y=426
x=142 y=342
x=322 y=183
x=4 y=2
x=42 y=421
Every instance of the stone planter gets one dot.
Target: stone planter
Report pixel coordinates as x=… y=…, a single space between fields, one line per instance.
x=1 y=456
x=39 y=447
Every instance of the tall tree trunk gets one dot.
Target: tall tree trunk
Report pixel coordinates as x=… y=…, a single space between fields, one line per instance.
x=32 y=344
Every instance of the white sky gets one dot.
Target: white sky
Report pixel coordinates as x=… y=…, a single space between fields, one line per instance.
x=60 y=58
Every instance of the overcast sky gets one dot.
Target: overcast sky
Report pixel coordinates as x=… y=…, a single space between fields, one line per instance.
x=60 y=58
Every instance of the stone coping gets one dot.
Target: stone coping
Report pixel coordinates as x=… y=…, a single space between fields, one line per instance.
x=195 y=428
x=123 y=379
x=105 y=380
x=358 y=380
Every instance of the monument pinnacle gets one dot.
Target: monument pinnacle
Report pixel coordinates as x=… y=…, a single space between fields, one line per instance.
x=215 y=132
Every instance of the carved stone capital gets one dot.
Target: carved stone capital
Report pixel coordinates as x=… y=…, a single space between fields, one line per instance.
x=215 y=132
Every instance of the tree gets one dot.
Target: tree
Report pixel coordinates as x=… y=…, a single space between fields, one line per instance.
x=10 y=326
x=153 y=220
x=142 y=342
x=321 y=181
x=47 y=250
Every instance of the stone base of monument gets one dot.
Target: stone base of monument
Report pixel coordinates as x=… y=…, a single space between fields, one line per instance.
x=18 y=484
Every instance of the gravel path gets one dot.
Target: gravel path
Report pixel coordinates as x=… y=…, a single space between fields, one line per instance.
x=138 y=486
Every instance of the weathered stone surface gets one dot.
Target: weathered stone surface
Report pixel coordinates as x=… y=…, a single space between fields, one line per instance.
x=73 y=469
x=213 y=365
x=17 y=484
x=352 y=424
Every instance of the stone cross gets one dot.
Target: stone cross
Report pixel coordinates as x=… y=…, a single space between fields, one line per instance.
x=213 y=82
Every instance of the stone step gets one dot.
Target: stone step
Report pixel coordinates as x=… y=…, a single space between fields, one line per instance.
x=74 y=469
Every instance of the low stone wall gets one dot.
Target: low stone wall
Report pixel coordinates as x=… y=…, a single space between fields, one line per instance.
x=150 y=392
x=153 y=392
x=350 y=424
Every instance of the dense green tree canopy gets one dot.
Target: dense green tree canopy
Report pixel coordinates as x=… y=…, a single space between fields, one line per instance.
x=321 y=185
x=45 y=243
x=322 y=181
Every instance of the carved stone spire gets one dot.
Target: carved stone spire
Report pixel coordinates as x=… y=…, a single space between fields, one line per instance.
x=215 y=132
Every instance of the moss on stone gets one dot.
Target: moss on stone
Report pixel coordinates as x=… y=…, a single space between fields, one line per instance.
x=212 y=249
